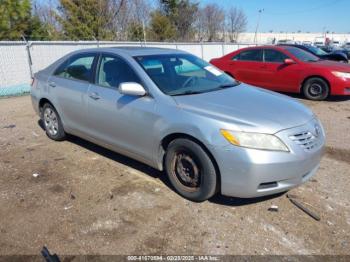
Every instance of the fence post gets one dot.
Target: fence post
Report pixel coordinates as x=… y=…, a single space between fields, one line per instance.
x=202 y=52
x=29 y=57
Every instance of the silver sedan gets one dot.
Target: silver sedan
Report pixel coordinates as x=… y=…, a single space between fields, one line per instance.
x=177 y=113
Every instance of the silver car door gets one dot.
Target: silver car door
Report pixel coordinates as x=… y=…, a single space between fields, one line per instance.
x=122 y=121
x=69 y=85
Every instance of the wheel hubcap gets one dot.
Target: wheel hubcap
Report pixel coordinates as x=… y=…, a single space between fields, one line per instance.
x=186 y=171
x=316 y=89
x=51 y=121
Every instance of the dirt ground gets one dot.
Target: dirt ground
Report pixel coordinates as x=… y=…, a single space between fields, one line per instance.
x=89 y=200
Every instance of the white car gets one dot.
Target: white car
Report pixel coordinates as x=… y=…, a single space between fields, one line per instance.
x=307 y=43
x=347 y=46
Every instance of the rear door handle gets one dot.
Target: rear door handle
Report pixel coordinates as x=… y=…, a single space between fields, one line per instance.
x=94 y=96
x=52 y=84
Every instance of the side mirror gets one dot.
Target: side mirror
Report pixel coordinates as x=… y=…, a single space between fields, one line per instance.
x=289 y=61
x=132 y=89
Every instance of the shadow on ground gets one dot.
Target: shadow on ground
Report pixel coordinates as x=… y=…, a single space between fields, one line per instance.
x=329 y=99
x=217 y=199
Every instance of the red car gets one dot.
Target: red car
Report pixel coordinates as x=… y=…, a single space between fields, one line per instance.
x=287 y=69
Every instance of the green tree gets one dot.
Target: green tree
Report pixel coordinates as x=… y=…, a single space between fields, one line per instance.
x=14 y=18
x=135 y=32
x=161 y=28
x=37 y=30
x=85 y=19
x=182 y=15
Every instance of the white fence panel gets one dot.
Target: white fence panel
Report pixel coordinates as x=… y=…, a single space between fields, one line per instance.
x=14 y=56
x=195 y=49
x=45 y=54
x=112 y=44
x=211 y=51
x=171 y=46
x=230 y=48
x=14 y=66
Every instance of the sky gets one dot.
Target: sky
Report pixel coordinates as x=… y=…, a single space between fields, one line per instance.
x=314 y=16
x=293 y=15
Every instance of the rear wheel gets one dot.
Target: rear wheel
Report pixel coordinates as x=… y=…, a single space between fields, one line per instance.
x=52 y=123
x=190 y=170
x=316 y=89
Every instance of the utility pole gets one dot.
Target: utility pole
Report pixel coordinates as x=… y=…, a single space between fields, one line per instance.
x=257 y=26
x=144 y=32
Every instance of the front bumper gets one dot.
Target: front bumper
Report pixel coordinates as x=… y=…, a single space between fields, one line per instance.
x=248 y=173
x=340 y=86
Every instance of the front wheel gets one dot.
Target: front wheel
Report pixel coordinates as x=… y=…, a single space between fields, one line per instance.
x=190 y=170
x=316 y=89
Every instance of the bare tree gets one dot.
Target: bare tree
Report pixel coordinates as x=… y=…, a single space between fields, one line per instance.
x=236 y=23
x=129 y=12
x=139 y=17
x=182 y=17
x=140 y=11
x=213 y=21
x=44 y=10
x=199 y=25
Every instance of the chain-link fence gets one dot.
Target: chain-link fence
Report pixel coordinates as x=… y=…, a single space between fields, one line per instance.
x=20 y=60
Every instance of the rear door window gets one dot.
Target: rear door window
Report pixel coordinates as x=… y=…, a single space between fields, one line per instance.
x=255 y=55
x=274 y=56
x=77 y=67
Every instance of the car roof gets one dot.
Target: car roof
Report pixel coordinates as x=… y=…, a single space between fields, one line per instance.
x=135 y=50
x=277 y=47
x=294 y=45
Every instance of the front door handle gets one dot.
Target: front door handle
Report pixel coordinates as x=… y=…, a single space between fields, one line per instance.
x=94 y=96
x=52 y=84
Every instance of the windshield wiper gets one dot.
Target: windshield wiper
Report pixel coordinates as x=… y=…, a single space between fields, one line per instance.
x=223 y=86
x=187 y=93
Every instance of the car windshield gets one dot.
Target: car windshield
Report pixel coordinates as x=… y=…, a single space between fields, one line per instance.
x=302 y=55
x=184 y=74
x=316 y=50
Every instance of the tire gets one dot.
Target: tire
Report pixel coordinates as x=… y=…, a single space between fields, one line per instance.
x=52 y=123
x=316 y=89
x=190 y=170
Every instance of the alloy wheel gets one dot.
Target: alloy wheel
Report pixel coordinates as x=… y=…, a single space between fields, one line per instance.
x=51 y=121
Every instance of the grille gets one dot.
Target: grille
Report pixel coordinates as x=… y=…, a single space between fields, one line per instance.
x=305 y=140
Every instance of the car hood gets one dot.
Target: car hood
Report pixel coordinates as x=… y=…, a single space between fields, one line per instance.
x=332 y=65
x=248 y=108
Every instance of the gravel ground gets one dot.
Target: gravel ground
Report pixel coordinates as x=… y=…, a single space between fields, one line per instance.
x=89 y=200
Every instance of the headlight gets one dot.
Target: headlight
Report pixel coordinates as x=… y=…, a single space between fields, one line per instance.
x=254 y=140
x=341 y=74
